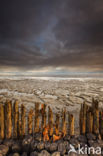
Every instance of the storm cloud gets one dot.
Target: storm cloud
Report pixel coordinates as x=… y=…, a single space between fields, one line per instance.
x=56 y=34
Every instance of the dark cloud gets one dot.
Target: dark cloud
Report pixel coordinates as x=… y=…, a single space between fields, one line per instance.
x=42 y=33
x=22 y=19
x=81 y=23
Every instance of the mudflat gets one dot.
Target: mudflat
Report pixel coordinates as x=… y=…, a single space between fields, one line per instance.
x=58 y=93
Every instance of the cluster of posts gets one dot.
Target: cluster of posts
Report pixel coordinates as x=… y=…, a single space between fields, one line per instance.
x=15 y=122
x=91 y=119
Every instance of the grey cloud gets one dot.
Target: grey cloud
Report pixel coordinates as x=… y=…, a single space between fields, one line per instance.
x=57 y=33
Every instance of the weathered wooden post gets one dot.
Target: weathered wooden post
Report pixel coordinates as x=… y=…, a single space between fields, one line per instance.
x=50 y=121
x=95 y=117
x=101 y=124
x=71 y=125
x=23 y=120
x=64 y=128
x=96 y=121
x=1 y=121
x=36 y=128
x=83 y=125
x=19 y=127
x=43 y=112
x=30 y=121
x=89 y=122
x=83 y=119
x=57 y=124
x=80 y=118
x=8 y=119
x=16 y=119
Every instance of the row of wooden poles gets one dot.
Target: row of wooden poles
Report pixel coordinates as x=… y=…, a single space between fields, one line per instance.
x=91 y=119
x=15 y=122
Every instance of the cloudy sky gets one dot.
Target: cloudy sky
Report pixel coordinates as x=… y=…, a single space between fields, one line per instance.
x=51 y=36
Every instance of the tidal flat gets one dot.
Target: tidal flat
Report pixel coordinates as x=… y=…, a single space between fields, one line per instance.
x=58 y=93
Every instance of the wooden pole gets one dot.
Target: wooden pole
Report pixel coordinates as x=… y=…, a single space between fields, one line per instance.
x=1 y=121
x=71 y=125
x=50 y=121
x=43 y=112
x=64 y=128
x=36 y=128
x=82 y=120
x=101 y=124
x=96 y=121
x=8 y=119
x=57 y=124
x=19 y=126
x=30 y=121
x=23 y=120
x=16 y=119
x=95 y=107
x=89 y=122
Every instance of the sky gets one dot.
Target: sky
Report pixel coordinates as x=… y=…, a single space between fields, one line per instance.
x=51 y=36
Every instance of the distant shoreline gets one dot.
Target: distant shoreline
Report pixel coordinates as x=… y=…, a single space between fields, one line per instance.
x=55 y=78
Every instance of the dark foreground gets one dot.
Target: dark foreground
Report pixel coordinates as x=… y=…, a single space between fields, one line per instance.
x=34 y=146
